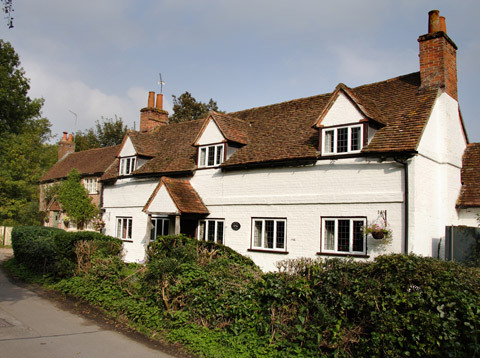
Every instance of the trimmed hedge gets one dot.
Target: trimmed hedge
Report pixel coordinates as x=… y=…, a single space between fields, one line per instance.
x=48 y=250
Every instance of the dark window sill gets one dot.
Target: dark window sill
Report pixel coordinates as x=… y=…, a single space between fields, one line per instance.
x=269 y=251
x=123 y=240
x=363 y=256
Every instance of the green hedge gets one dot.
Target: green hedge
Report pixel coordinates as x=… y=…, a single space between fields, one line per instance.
x=50 y=250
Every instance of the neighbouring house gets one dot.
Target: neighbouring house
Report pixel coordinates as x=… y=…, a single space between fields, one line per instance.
x=304 y=178
x=91 y=164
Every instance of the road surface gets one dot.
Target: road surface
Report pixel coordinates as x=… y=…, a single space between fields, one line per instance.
x=32 y=326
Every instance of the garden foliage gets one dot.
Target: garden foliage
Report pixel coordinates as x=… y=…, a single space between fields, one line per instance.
x=219 y=304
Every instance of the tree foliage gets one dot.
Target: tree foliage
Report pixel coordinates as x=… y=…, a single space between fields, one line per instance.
x=16 y=108
x=106 y=133
x=74 y=199
x=186 y=108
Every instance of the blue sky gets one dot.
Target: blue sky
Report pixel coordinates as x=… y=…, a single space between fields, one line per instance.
x=100 y=58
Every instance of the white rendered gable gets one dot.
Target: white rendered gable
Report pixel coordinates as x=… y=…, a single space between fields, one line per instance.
x=128 y=149
x=211 y=134
x=343 y=111
x=162 y=203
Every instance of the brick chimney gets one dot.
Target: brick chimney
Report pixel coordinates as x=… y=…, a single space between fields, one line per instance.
x=152 y=116
x=438 y=57
x=66 y=146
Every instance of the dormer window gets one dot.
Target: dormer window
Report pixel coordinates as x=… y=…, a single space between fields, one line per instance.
x=210 y=155
x=127 y=165
x=342 y=140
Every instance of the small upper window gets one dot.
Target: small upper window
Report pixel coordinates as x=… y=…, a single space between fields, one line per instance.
x=127 y=165
x=342 y=140
x=91 y=185
x=210 y=155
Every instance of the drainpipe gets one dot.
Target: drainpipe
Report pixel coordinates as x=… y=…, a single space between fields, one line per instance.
x=404 y=162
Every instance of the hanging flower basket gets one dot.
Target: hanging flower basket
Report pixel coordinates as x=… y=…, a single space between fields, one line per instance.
x=378 y=235
x=378 y=232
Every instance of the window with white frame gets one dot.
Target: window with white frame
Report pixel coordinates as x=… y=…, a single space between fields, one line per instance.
x=342 y=140
x=343 y=235
x=124 y=228
x=269 y=234
x=210 y=155
x=127 y=165
x=160 y=227
x=91 y=185
x=211 y=230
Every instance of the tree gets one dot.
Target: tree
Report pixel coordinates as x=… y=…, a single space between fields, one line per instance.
x=25 y=157
x=186 y=108
x=24 y=151
x=16 y=108
x=75 y=201
x=107 y=133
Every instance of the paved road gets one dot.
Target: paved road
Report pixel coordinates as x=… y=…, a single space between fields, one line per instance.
x=31 y=326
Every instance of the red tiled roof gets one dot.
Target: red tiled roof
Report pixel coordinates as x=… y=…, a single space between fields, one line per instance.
x=88 y=162
x=470 y=192
x=284 y=132
x=184 y=196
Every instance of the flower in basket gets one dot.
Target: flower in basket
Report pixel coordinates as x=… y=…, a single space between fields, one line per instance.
x=378 y=232
x=66 y=219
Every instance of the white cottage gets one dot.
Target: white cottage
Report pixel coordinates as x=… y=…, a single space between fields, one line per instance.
x=303 y=178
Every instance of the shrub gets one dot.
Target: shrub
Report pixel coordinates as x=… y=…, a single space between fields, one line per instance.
x=34 y=246
x=50 y=250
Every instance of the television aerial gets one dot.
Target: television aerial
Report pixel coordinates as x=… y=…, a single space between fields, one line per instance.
x=161 y=83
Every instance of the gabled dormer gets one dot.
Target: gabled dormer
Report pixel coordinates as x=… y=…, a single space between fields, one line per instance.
x=220 y=136
x=346 y=125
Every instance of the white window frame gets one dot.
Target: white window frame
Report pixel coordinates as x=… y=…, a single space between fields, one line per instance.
x=155 y=221
x=335 y=130
x=335 y=250
x=209 y=230
x=91 y=185
x=124 y=229
x=263 y=244
x=127 y=165
x=218 y=155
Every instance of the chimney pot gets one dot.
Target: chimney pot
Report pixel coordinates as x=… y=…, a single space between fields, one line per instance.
x=443 y=25
x=151 y=99
x=160 y=101
x=64 y=138
x=433 y=21
x=70 y=137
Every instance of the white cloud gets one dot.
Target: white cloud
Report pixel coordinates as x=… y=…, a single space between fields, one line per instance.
x=63 y=95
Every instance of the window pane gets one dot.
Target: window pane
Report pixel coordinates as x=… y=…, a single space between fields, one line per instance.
x=219 y=155
x=355 y=138
x=219 y=232
x=329 y=235
x=358 y=236
x=269 y=231
x=129 y=228
x=122 y=166
x=119 y=228
x=343 y=235
x=201 y=231
x=328 y=146
x=166 y=226
x=280 y=234
x=211 y=230
x=132 y=164
x=257 y=234
x=211 y=156
x=342 y=140
x=203 y=155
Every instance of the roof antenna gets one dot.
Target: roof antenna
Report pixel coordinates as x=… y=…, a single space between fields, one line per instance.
x=72 y=112
x=161 y=83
